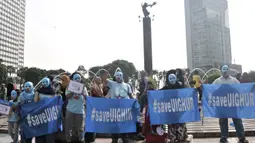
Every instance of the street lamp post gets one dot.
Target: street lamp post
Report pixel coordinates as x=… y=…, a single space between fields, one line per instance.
x=147 y=42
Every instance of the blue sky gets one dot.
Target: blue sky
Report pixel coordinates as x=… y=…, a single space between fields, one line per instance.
x=68 y=33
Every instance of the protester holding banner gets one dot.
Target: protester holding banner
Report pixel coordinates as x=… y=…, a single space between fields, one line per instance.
x=148 y=130
x=75 y=111
x=25 y=97
x=144 y=97
x=227 y=79
x=45 y=91
x=118 y=90
x=96 y=90
x=177 y=132
x=14 y=117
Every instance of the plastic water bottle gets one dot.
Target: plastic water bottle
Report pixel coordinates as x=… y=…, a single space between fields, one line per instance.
x=233 y=125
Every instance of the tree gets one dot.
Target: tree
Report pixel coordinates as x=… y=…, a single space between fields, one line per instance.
x=3 y=72
x=126 y=67
x=82 y=70
x=10 y=80
x=251 y=75
x=34 y=75
x=11 y=70
x=94 y=70
x=22 y=73
x=55 y=72
x=212 y=77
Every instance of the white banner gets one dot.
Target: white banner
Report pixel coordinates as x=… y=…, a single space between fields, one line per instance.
x=75 y=87
x=4 y=109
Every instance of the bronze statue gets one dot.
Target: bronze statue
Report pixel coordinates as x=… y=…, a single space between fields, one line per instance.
x=144 y=8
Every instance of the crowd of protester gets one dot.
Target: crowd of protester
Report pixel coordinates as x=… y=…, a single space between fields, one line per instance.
x=74 y=108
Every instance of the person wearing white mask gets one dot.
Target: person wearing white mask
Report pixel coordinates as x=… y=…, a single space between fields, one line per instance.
x=225 y=78
x=75 y=112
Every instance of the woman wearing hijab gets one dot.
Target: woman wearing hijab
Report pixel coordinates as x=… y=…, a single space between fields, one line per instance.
x=45 y=91
x=177 y=132
x=96 y=88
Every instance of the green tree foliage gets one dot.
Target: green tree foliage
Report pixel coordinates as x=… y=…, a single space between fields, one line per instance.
x=251 y=75
x=3 y=72
x=34 y=75
x=212 y=77
x=22 y=73
x=11 y=70
x=55 y=72
x=126 y=67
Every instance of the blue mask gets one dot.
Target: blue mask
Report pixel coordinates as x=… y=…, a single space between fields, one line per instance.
x=14 y=94
x=77 y=77
x=45 y=82
x=28 y=87
x=172 y=79
x=224 y=68
x=119 y=76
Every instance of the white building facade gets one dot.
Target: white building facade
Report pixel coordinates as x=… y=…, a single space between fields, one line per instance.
x=207 y=33
x=12 y=32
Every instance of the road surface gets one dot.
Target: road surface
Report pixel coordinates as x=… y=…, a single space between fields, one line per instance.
x=4 y=138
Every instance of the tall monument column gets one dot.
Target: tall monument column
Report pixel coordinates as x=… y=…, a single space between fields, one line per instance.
x=147 y=45
x=147 y=38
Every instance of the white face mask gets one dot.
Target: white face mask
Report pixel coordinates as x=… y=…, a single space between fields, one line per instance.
x=172 y=79
x=225 y=70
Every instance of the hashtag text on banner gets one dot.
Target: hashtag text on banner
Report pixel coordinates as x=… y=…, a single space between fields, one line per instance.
x=229 y=101
x=173 y=106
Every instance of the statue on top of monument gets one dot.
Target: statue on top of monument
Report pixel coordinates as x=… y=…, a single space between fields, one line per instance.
x=144 y=8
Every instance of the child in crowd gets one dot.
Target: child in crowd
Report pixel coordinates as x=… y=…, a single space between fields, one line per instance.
x=13 y=118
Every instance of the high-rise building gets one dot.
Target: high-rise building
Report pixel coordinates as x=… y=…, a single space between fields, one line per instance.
x=12 y=32
x=207 y=33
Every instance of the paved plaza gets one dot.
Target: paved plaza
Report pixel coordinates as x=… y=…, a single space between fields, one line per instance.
x=4 y=138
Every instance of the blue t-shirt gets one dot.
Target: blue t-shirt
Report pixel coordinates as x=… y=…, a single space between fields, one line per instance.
x=119 y=90
x=76 y=105
x=14 y=115
x=26 y=97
